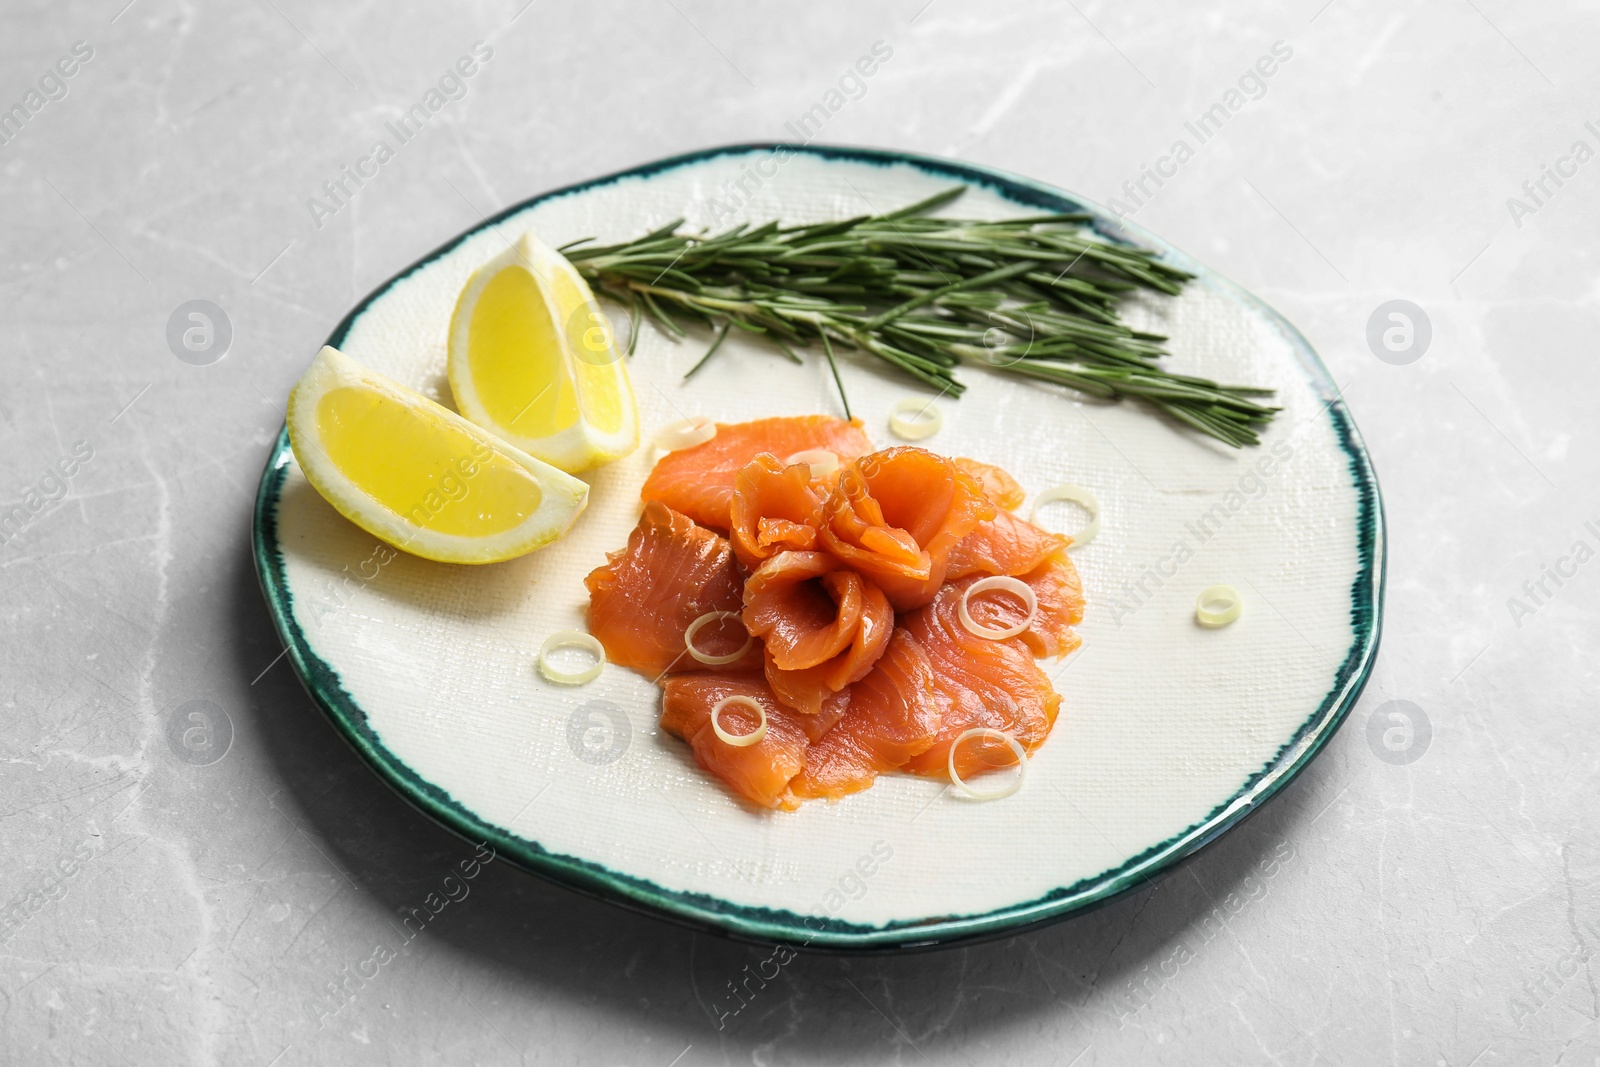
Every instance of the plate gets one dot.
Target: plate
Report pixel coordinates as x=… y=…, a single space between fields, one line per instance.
x=1170 y=734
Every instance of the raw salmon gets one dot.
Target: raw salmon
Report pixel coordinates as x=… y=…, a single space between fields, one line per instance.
x=760 y=772
x=1056 y=584
x=1011 y=546
x=989 y=683
x=997 y=485
x=849 y=587
x=774 y=509
x=699 y=481
x=642 y=600
x=807 y=691
x=895 y=516
x=894 y=714
x=1004 y=544
x=824 y=626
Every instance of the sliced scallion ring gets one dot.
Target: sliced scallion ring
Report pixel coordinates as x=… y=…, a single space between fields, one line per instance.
x=998 y=583
x=685 y=433
x=913 y=418
x=705 y=657
x=571 y=639
x=1075 y=494
x=739 y=740
x=1006 y=790
x=1217 y=605
x=821 y=461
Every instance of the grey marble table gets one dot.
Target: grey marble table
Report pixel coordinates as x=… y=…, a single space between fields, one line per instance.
x=1432 y=901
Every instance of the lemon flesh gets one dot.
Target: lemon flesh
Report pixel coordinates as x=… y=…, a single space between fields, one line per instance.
x=533 y=360
x=417 y=475
x=512 y=344
x=430 y=467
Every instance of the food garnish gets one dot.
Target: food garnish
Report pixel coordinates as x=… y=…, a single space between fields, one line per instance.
x=1217 y=605
x=708 y=658
x=821 y=461
x=1072 y=494
x=1038 y=296
x=571 y=639
x=684 y=433
x=417 y=475
x=739 y=740
x=914 y=419
x=532 y=359
x=1000 y=583
x=964 y=788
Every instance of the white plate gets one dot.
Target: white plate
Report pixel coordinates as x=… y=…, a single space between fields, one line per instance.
x=1169 y=733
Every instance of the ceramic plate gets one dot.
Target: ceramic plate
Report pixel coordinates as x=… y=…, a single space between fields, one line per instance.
x=1169 y=734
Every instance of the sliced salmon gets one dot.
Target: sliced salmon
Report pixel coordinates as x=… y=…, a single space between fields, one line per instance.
x=807 y=690
x=1012 y=546
x=642 y=600
x=810 y=609
x=1056 y=584
x=1005 y=491
x=775 y=508
x=807 y=693
x=894 y=715
x=1004 y=544
x=896 y=515
x=823 y=625
x=699 y=481
x=988 y=683
x=850 y=586
x=760 y=773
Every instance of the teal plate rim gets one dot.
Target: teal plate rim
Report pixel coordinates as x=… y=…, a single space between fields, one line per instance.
x=764 y=925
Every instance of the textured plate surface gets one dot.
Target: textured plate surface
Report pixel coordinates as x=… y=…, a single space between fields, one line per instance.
x=1169 y=734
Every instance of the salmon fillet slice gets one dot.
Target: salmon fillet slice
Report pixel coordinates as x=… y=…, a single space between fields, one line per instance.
x=1004 y=544
x=1056 y=584
x=807 y=691
x=894 y=715
x=643 y=598
x=1016 y=547
x=896 y=515
x=760 y=773
x=989 y=683
x=823 y=625
x=775 y=508
x=1005 y=491
x=699 y=481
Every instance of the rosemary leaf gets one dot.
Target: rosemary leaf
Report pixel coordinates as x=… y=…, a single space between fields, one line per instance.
x=827 y=348
x=1037 y=296
x=714 y=346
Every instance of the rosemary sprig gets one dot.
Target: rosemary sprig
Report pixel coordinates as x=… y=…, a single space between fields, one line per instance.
x=1034 y=296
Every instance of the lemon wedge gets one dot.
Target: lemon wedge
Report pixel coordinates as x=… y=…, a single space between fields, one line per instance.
x=417 y=475
x=533 y=360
